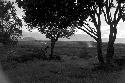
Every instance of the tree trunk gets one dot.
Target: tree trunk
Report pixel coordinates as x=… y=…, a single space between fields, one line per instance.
x=52 y=48
x=99 y=39
x=110 y=48
x=110 y=52
x=99 y=51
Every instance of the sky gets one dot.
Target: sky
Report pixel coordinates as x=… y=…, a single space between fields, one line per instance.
x=104 y=27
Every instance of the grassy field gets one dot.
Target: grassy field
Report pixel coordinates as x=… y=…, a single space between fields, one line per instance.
x=76 y=65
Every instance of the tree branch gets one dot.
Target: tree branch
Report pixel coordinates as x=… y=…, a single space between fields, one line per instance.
x=92 y=30
x=87 y=32
x=87 y=27
x=118 y=19
x=105 y=16
x=108 y=10
x=116 y=12
x=95 y=10
x=94 y=20
x=119 y=15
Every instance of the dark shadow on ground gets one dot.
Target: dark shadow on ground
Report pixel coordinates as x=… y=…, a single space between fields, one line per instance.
x=117 y=64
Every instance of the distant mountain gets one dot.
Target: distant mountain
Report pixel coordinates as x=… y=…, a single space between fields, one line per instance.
x=27 y=39
x=76 y=37
x=118 y=40
x=82 y=37
x=36 y=35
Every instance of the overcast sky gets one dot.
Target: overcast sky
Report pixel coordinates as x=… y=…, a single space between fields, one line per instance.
x=104 y=27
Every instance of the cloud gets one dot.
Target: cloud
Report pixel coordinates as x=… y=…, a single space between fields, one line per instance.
x=121 y=30
x=105 y=31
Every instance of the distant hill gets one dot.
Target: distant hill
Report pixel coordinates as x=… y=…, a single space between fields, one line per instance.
x=27 y=39
x=76 y=37
x=118 y=40
x=36 y=35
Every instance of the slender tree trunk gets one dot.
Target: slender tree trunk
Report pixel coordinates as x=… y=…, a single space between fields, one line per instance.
x=110 y=48
x=52 y=48
x=110 y=52
x=99 y=47
x=99 y=39
x=99 y=51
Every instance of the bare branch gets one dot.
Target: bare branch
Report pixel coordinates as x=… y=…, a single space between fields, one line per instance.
x=95 y=10
x=94 y=20
x=118 y=19
x=90 y=29
x=89 y=33
x=105 y=16
x=116 y=12
x=119 y=14
x=108 y=7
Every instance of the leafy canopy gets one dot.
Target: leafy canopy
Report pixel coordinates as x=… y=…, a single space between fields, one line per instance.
x=52 y=17
x=10 y=24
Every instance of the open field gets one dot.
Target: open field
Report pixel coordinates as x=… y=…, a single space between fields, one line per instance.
x=76 y=65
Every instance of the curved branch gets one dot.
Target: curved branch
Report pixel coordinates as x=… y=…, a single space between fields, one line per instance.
x=105 y=16
x=108 y=7
x=94 y=20
x=89 y=33
x=119 y=14
x=90 y=29
x=95 y=10
x=118 y=19
x=116 y=11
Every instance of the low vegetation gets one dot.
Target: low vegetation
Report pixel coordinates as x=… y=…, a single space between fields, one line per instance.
x=22 y=63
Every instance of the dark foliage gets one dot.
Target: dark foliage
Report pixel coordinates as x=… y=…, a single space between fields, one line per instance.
x=10 y=24
x=53 y=18
x=50 y=17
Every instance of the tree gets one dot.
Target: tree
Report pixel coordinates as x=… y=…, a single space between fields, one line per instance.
x=112 y=19
x=55 y=15
x=52 y=17
x=54 y=33
x=10 y=24
x=93 y=12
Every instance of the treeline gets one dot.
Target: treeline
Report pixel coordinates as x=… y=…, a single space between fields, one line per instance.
x=10 y=24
